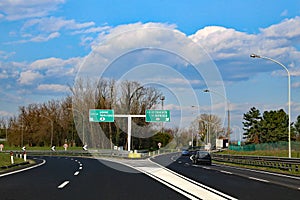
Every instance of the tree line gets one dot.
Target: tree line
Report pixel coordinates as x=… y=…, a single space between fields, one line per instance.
x=67 y=121
x=271 y=126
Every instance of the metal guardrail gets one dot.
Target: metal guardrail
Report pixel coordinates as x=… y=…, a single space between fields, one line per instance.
x=91 y=153
x=285 y=164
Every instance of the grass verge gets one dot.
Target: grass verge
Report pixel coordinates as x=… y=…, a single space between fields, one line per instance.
x=6 y=165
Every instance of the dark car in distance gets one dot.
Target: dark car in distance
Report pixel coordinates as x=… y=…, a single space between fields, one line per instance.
x=201 y=157
x=185 y=152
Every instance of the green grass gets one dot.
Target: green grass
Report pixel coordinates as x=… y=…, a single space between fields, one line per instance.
x=5 y=159
x=278 y=153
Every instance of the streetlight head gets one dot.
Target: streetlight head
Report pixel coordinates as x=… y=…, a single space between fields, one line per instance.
x=254 y=56
x=207 y=90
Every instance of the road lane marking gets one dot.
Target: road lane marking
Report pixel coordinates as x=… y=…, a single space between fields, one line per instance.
x=173 y=158
x=183 y=185
x=63 y=184
x=262 y=172
x=258 y=179
x=206 y=167
x=21 y=170
x=76 y=173
x=226 y=172
x=80 y=168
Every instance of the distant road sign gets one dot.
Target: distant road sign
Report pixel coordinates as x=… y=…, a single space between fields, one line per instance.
x=97 y=115
x=157 y=116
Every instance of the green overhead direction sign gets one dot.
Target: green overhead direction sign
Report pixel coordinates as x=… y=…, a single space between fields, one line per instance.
x=97 y=115
x=157 y=115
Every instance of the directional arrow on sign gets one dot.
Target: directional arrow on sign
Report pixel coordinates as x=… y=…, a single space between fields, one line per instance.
x=24 y=148
x=53 y=148
x=85 y=147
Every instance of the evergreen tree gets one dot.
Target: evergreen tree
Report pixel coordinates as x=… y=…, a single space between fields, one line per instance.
x=252 y=120
x=297 y=128
x=274 y=126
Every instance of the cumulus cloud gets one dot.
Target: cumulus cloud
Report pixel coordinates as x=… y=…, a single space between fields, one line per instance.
x=53 y=88
x=22 y=9
x=29 y=77
x=289 y=28
x=57 y=67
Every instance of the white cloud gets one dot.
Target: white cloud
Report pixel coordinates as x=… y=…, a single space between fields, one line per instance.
x=284 y=13
x=54 y=24
x=22 y=9
x=4 y=55
x=223 y=43
x=43 y=38
x=48 y=28
x=48 y=63
x=93 y=30
x=289 y=28
x=29 y=77
x=53 y=88
x=57 y=66
x=296 y=85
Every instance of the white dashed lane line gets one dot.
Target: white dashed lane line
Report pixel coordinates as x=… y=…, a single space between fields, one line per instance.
x=258 y=179
x=226 y=172
x=63 y=184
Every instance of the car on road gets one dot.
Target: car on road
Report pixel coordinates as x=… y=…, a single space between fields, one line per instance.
x=201 y=157
x=185 y=152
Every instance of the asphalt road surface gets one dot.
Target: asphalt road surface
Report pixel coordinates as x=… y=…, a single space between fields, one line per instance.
x=85 y=178
x=237 y=182
x=62 y=178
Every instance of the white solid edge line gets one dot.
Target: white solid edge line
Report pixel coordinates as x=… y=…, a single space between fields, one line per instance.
x=226 y=172
x=25 y=169
x=63 y=184
x=262 y=172
x=195 y=182
x=159 y=180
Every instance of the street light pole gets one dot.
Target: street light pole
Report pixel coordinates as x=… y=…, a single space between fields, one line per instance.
x=289 y=95
x=51 y=129
x=162 y=98
x=228 y=111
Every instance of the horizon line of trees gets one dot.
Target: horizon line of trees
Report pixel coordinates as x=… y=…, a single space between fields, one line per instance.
x=67 y=121
x=269 y=127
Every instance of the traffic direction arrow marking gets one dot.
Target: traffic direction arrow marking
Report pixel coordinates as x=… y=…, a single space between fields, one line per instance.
x=53 y=148
x=85 y=147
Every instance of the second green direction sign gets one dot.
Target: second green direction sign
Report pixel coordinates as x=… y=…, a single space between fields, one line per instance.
x=97 y=115
x=157 y=116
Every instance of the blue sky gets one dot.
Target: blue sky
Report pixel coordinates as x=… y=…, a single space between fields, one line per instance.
x=43 y=44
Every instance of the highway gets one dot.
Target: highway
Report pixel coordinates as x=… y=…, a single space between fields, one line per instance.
x=108 y=178
x=82 y=178
x=237 y=182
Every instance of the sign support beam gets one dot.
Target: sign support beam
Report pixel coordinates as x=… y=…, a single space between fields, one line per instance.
x=129 y=127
